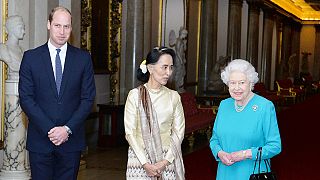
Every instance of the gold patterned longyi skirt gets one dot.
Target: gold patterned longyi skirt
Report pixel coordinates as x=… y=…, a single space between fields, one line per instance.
x=135 y=170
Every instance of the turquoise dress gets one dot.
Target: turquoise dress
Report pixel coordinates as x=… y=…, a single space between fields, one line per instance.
x=256 y=126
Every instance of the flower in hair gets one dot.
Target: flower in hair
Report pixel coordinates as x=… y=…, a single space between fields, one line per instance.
x=143 y=66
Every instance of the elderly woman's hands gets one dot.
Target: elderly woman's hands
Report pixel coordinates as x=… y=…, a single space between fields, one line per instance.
x=230 y=158
x=239 y=155
x=225 y=158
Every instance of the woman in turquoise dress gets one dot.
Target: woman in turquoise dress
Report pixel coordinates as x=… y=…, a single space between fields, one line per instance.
x=245 y=122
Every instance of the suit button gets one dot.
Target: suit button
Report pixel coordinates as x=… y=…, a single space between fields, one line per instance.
x=59 y=103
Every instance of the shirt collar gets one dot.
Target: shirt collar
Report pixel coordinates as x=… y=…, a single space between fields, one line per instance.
x=52 y=48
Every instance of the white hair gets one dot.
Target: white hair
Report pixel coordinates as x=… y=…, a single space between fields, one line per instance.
x=241 y=66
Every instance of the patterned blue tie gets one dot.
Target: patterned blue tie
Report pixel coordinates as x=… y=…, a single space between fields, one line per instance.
x=58 y=71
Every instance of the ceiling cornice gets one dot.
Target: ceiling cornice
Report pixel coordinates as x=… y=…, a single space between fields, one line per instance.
x=299 y=9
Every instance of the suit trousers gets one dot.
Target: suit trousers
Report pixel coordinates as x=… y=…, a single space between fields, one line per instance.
x=55 y=165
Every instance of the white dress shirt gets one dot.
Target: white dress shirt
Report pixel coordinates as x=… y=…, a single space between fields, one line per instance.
x=53 y=53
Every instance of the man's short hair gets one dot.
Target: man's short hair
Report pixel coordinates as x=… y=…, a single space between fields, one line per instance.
x=57 y=9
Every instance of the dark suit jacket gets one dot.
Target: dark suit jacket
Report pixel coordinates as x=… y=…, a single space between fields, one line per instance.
x=46 y=109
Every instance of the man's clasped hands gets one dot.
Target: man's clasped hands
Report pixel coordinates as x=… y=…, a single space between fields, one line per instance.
x=58 y=135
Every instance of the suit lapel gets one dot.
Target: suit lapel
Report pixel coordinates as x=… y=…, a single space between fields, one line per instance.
x=48 y=67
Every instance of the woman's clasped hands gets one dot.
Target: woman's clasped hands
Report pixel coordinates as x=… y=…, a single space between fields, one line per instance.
x=231 y=158
x=155 y=170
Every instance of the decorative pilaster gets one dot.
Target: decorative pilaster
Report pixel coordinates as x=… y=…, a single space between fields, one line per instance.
x=316 y=64
x=208 y=49
x=234 y=29
x=295 y=50
x=279 y=25
x=134 y=42
x=286 y=48
x=253 y=34
x=265 y=70
x=148 y=18
x=14 y=160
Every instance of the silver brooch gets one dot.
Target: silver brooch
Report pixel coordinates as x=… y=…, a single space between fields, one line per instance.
x=255 y=107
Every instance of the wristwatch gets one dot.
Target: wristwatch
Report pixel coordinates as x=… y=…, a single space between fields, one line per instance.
x=68 y=130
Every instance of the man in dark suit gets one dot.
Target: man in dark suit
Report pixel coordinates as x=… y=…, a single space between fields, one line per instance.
x=57 y=90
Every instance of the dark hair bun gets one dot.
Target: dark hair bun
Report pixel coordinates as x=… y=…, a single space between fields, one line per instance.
x=143 y=77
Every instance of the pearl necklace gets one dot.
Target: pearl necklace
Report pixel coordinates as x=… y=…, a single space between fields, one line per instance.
x=238 y=108
x=241 y=108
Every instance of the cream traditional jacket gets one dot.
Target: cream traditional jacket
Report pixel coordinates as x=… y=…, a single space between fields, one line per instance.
x=169 y=112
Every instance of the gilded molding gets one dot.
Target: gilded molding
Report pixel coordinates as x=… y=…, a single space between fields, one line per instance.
x=114 y=18
x=4 y=14
x=86 y=19
x=114 y=46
